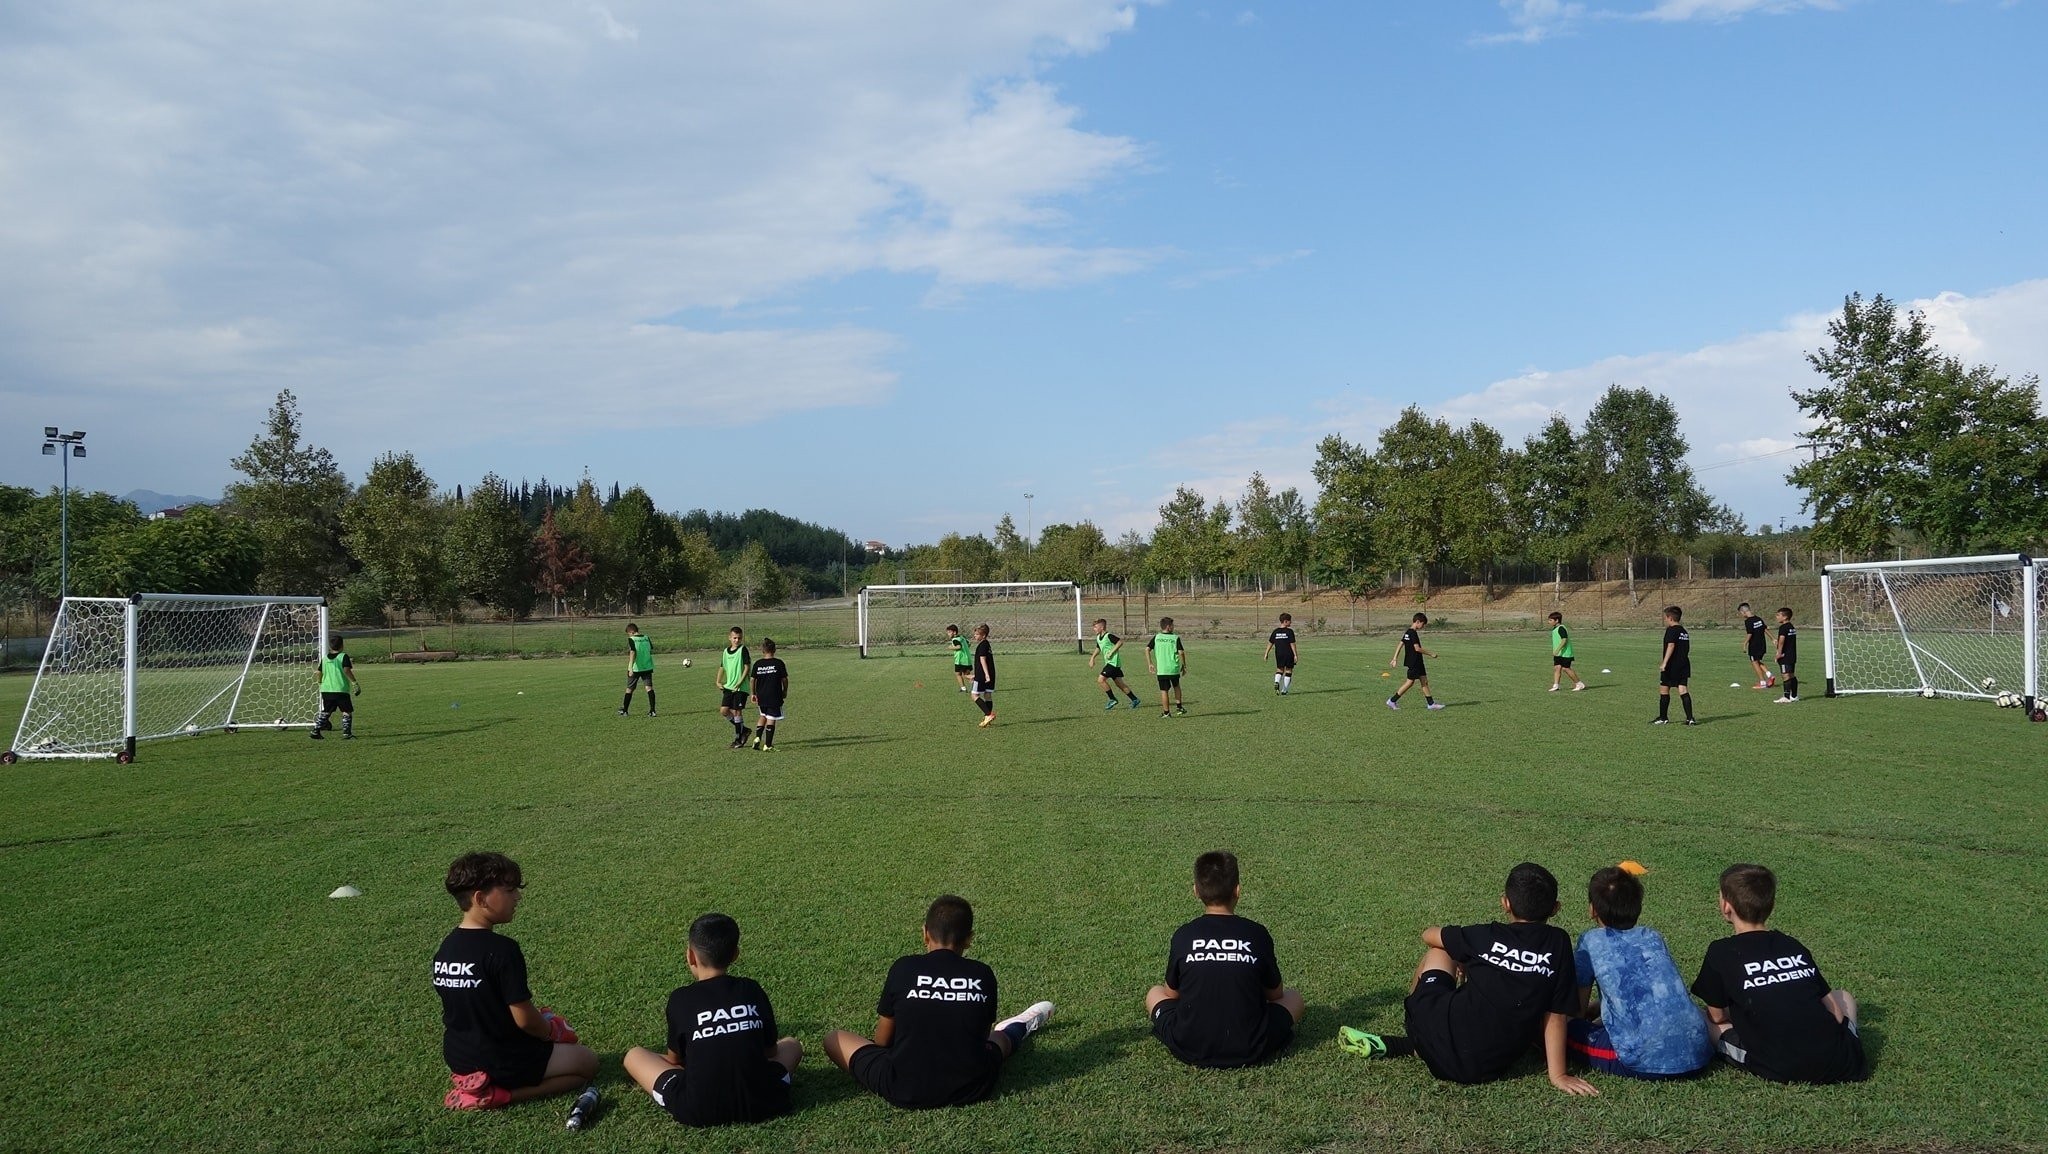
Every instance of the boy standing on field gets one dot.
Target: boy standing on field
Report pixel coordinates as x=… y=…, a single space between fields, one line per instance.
x=1167 y=658
x=1561 y=654
x=1280 y=645
x=1222 y=1004
x=984 y=676
x=337 y=673
x=963 y=657
x=1768 y=1007
x=639 y=668
x=1675 y=669
x=937 y=1041
x=1645 y=1026
x=1410 y=653
x=735 y=665
x=500 y=1048
x=1788 y=656
x=723 y=1063
x=1753 y=629
x=1109 y=648
x=1518 y=989
x=771 y=690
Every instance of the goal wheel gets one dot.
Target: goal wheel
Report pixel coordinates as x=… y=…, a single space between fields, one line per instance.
x=124 y=757
x=234 y=729
x=8 y=758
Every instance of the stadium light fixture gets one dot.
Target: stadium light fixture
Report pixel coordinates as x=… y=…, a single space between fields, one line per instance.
x=1027 y=525
x=54 y=444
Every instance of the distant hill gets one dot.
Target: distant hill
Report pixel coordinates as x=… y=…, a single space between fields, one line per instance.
x=150 y=501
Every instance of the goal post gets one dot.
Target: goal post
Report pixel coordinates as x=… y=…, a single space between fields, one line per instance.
x=1021 y=615
x=117 y=671
x=1965 y=627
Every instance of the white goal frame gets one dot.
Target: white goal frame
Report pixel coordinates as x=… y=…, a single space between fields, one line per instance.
x=969 y=595
x=1933 y=673
x=192 y=692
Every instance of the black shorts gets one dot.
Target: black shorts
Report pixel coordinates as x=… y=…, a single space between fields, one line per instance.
x=1429 y=1027
x=1169 y=681
x=980 y=686
x=1850 y=1063
x=1561 y=662
x=1417 y=671
x=523 y=1064
x=770 y=708
x=1756 y=653
x=1112 y=673
x=1278 y=1033
x=964 y=670
x=638 y=676
x=1672 y=678
x=755 y=1098
x=337 y=703
x=872 y=1068
x=1283 y=662
x=1786 y=667
x=733 y=698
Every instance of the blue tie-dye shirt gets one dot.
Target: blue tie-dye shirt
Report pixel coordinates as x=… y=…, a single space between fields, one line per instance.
x=1650 y=1019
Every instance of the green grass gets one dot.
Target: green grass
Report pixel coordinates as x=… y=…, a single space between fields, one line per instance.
x=176 y=978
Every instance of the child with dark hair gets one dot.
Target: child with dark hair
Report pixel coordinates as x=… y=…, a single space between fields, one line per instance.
x=1409 y=653
x=1109 y=649
x=771 y=691
x=723 y=1063
x=963 y=656
x=1561 y=654
x=1223 y=1004
x=1768 y=1007
x=984 y=676
x=639 y=668
x=337 y=674
x=735 y=666
x=1280 y=646
x=1644 y=1026
x=1753 y=629
x=499 y=1046
x=1788 y=656
x=1674 y=670
x=1517 y=988
x=937 y=1041
x=1166 y=655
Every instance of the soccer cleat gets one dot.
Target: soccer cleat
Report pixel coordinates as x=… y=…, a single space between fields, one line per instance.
x=1660 y=721
x=1393 y=704
x=1033 y=1019
x=987 y=721
x=622 y=713
x=738 y=743
x=1770 y=679
x=316 y=735
x=1553 y=689
x=758 y=743
x=1180 y=711
x=1784 y=701
x=651 y=713
x=1136 y=704
x=1355 y=1041
x=1434 y=705
x=475 y=1092
x=1166 y=713
x=1110 y=704
x=1692 y=721
x=1580 y=686
x=347 y=736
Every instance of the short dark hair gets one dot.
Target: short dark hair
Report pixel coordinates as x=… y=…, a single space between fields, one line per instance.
x=1616 y=896
x=1556 y=616
x=334 y=642
x=1531 y=892
x=950 y=922
x=1750 y=890
x=1165 y=623
x=952 y=629
x=1744 y=605
x=482 y=870
x=1287 y=617
x=982 y=629
x=1674 y=612
x=1786 y=610
x=1419 y=617
x=767 y=645
x=1102 y=621
x=1216 y=877
x=716 y=938
x=735 y=629
x=632 y=628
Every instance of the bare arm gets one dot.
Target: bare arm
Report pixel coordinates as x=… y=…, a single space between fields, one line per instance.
x=1433 y=937
x=1717 y=1015
x=528 y=1019
x=1554 y=1055
x=885 y=1031
x=1668 y=647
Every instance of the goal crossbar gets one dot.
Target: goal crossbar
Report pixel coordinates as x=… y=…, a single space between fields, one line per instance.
x=1022 y=614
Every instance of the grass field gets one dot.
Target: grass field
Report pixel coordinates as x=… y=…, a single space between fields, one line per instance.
x=175 y=976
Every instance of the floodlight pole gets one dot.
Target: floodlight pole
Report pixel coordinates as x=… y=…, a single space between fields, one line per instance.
x=1027 y=526
x=64 y=446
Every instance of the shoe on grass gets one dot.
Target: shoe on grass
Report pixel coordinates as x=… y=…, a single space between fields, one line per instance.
x=1033 y=1019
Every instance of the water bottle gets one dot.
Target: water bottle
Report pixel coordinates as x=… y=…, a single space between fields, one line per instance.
x=585 y=1108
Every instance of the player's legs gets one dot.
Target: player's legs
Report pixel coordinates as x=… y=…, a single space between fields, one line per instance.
x=842 y=1045
x=570 y=1067
x=1433 y=959
x=789 y=1052
x=1156 y=995
x=1407 y=683
x=1424 y=682
x=1124 y=687
x=1290 y=1000
x=348 y=716
x=626 y=702
x=1842 y=1004
x=644 y=1066
x=1556 y=672
x=1685 y=699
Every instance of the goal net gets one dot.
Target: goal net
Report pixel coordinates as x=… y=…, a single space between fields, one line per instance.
x=1950 y=627
x=118 y=671
x=1023 y=615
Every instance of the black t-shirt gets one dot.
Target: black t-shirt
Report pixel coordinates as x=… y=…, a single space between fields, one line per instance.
x=1516 y=975
x=1680 y=642
x=1282 y=641
x=1222 y=965
x=480 y=977
x=985 y=664
x=1772 y=991
x=1788 y=643
x=1755 y=626
x=1411 y=646
x=771 y=680
x=944 y=1006
x=723 y=1029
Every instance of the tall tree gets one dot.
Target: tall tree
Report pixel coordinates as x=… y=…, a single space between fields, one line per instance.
x=1344 y=551
x=1550 y=498
x=648 y=550
x=584 y=523
x=293 y=498
x=489 y=550
x=1480 y=524
x=1640 y=493
x=1010 y=550
x=1413 y=475
x=559 y=564
x=397 y=527
x=1193 y=538
x=965 y=558
x=754 y=580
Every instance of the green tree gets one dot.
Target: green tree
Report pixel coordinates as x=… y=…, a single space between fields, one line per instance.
x=293 y=499
x=559 y=564
x=1549 y=489
x=1193 y=538
x=1640 y=493
x=698 y=564
x=489 y=550
x=965 y=558
x=1344 y=549
x=1479 y=513
x=397 y=527
x=584 y=523
x=754 y=580
x=648 y=550
x=1010 y=550
x=1078 y=553
x=1412 y=476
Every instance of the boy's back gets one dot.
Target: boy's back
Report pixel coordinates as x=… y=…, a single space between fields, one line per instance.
x=480 y=975
x=944 y=1005
x=1773 y=993
x=1650 y=1021
x=1516 y=974
x=1222 y=966
x=723 y=1028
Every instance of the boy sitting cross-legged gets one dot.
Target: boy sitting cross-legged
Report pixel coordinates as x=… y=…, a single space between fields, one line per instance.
x=1768 y=1007
x=500 y=1048
x=724 y=1063
x=937 y=1041
x=1222 y=1004
x=1645 y=1026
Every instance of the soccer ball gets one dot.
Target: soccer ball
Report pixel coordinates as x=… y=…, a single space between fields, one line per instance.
x=686 y=663
x=2005 y=701
x=1990 y=683
x=191 y=729
x=1927 y=691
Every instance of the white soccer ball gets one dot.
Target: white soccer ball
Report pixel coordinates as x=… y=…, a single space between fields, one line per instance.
x=1927 y=691
x=1990 y=683
x=191 y=729
x=2002 y=700
x=686 y=663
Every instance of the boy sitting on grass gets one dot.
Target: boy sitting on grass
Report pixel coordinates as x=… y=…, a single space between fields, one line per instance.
x=1518 y=988
x=724 y=1063
x=1645 y=1026
x=1222 y=1004
x=1768 y=1007
x=937 y=1041
x=499 y=1047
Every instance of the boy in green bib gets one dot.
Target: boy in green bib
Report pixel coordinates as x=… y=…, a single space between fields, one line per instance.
x=639 y=668
x=337 y=673
x=1561 y=654
x=735 y=667
x=1167 y=657
x=1109 y=650
x=963 y=656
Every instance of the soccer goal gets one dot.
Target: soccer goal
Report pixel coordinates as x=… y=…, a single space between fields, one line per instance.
x=118 y=671
x=1021 y=615
x=1947 y=627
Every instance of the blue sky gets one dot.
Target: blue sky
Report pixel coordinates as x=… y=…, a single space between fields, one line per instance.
x=890 y=266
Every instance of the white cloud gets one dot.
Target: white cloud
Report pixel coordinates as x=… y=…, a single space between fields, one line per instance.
x=534 y=201
x=1534 y=21
x=1680 y=10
